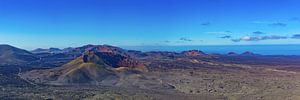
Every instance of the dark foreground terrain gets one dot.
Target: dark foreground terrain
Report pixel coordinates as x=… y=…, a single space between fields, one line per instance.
x=97 y=72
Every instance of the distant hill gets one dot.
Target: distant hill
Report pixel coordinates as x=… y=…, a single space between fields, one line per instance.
x=193 y=53
x=50 y=50
x=10 y=55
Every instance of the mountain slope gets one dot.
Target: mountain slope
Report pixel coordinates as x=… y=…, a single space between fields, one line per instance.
x=80 y=71
x=10 y=55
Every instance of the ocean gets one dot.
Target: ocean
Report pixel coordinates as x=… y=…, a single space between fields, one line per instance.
x=224 y=49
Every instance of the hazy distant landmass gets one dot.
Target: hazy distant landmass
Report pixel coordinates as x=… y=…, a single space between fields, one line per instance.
x=292 y=49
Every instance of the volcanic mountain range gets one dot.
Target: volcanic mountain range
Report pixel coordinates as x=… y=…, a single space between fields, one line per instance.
x=193 y=72
x=95 y=64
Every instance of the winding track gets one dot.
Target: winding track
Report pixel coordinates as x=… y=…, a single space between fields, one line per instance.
x=19 y=74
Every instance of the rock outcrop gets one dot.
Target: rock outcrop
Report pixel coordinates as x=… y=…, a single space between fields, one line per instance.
x=193 y=53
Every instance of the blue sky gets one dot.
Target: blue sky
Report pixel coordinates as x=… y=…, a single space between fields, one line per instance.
x=63 y=23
